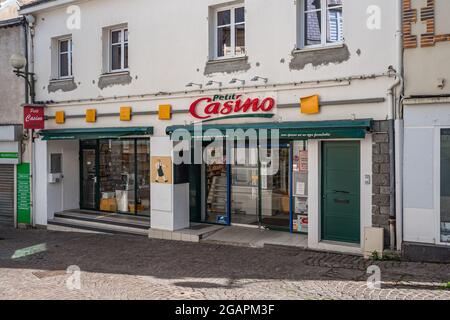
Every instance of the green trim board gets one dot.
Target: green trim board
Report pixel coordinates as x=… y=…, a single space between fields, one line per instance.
x=23 y=194
x=94 y=133
x=300 y=130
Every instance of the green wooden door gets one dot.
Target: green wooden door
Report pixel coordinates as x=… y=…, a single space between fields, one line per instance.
x=341 y=191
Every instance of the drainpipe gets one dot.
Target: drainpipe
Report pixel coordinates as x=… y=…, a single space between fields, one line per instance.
x=395 y=142
x=392 y=159
x=399 y=132
x=392 y=209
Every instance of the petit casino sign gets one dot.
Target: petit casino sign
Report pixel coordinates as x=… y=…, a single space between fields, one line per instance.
x=224 y=105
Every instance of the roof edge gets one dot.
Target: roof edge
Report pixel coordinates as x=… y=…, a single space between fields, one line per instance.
x=41 y=5
x=12 y=22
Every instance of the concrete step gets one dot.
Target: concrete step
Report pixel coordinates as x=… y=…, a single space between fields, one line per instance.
x=74 y=225
x=122 y=221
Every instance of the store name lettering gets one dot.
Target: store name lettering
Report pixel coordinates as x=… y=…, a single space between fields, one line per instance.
x=205 y=108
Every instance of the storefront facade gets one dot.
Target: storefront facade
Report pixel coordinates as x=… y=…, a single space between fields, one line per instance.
x=325 y=107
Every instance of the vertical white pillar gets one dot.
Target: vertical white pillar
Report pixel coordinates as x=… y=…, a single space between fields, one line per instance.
x=314 y=193
x=169 y=201
x=40 y=183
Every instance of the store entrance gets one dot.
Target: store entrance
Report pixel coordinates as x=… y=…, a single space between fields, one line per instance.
x=115 y=175
x=261 y=187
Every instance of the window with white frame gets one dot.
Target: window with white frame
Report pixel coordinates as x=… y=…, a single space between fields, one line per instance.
x=229 y=31
x=119 y=49
x=65 y=58
x=321 y=22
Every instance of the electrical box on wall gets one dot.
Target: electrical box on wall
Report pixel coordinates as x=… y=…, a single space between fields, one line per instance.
x=373 y=241
x=54 y=178
x=55 y=175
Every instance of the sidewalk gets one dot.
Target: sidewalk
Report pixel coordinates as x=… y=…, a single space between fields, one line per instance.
x=256 y=238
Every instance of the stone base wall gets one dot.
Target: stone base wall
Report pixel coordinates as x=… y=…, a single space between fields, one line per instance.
x=381 y=197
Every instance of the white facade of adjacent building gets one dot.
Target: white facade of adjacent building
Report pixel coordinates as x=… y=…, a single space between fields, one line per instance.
x=426 y=123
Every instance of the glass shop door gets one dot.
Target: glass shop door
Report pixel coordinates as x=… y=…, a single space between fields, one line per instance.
x=89 y=176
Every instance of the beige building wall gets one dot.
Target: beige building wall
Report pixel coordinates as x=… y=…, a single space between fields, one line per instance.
x=427 y=66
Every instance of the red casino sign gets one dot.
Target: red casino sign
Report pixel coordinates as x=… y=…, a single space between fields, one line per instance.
x=225 y=105
x=33 y=117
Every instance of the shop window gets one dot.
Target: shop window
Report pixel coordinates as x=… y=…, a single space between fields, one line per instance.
x=229 y=31
x=116 y=175
x=445 y=186
x=320 y=23
x=300 y=176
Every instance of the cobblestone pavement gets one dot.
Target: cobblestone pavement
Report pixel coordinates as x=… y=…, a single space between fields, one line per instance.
x=33 y=265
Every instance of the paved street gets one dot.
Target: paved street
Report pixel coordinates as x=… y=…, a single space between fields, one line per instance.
x=33 y=265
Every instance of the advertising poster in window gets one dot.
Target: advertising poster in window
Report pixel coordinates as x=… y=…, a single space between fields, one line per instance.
x=161 y=170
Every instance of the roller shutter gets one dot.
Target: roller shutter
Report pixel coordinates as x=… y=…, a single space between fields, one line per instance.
x=7 y=195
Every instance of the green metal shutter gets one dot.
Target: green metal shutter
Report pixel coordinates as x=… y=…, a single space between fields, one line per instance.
x=7 y=195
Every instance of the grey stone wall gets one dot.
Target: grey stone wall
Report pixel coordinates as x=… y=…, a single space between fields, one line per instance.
x=12 y=88
x=381 y=179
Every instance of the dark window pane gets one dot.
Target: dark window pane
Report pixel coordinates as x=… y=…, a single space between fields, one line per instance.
x=116 y=57
x=126 y=56
x=64 y=46
x=63 y=65
x=239 y=15
x=445 y=185
x=116 y=36
x=240 y=39
x=126 y=35
x=313 y=28
x=312 y=5
x=223 y=41
x=223 y=17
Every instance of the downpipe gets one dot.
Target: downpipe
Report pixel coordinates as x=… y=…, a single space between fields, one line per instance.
x=393 y=158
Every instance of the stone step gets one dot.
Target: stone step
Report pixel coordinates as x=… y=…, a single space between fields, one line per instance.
x=74 y=225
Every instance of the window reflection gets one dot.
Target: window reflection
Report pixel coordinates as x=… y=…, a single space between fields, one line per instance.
x=445 y=186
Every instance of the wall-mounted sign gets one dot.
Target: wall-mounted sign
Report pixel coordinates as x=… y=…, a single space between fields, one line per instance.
x=23 y=194
x=33 y=117
x=225 y=105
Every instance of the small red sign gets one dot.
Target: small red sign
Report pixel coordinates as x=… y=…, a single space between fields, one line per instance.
x=33 y=117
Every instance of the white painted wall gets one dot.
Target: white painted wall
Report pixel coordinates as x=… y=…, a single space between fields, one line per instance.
x=64 y=195
x=40 y=183
x=422 y=170
x=165 y=56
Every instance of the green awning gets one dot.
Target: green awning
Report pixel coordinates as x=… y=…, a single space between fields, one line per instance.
x=301 y=130
x=94 y=133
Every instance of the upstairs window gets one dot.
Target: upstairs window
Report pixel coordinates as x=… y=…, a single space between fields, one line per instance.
x=230 y=31
x=321 y=23
x=119 y=49
x=65 y=58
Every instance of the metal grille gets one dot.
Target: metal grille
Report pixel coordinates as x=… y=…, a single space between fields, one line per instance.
x=7 y=195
